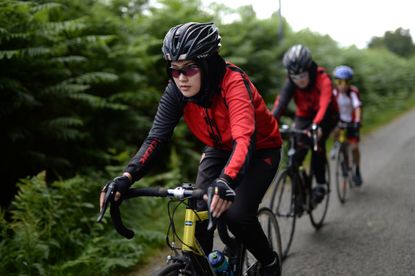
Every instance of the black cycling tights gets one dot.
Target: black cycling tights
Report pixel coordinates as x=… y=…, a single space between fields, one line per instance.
x=241 y=217
x=319 y=158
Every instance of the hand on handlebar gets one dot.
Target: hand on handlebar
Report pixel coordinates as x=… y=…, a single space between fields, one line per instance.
x=315 y=133
x=315 y=129
x=119 y=186
x=223 y=196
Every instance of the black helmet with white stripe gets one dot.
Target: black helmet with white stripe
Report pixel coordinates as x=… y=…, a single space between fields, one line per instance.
x=191 y=41
x=297 y=59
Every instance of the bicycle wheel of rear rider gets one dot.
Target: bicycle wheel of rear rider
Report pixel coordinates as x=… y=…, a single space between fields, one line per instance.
x=271 y=228
x=173 y=269
x=283 y=206
x=342 y=174
x=318 y=212
x=269 y=224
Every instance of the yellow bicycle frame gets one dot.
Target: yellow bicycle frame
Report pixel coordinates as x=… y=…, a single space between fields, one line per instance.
x=189 y=241
x=342 y=135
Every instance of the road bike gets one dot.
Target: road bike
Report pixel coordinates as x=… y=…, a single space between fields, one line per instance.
x=292 y=190
x=344 y=163
x=188 y=257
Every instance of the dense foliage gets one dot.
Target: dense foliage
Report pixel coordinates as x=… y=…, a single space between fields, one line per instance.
x=399 y=42
x=54 y=231
x=79 y=85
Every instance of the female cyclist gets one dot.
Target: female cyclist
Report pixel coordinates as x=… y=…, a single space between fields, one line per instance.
x=350 y=107
x=311 y=88
x=224 y=110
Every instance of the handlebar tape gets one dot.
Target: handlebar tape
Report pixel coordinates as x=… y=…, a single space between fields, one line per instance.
x=117 y=222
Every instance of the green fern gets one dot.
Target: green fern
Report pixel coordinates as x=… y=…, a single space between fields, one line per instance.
x=45 y=7
x=68 y=26
x=64 y=89
x=67 y=60
x=65 y=122
x=93 y=78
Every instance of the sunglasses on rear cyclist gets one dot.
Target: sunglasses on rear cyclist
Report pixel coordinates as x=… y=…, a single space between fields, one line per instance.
x=300 y=76
x=187 y=71
x=342 y=82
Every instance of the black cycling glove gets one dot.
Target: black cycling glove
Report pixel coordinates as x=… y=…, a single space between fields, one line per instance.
x=222 y=188
x=122 y=183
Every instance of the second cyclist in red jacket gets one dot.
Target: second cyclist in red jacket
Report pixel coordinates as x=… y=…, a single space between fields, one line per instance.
x=311 y=88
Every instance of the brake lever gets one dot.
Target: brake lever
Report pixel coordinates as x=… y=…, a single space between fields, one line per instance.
x=315 y=141
x=314 y=130
x=212 y=220
x=109 y=197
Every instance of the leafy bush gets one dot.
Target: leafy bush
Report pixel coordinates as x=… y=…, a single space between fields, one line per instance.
x=53 y=231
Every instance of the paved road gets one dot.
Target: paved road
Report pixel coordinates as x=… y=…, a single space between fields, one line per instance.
x=374 y=232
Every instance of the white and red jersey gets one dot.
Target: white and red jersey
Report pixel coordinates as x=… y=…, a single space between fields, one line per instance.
x=347 y=103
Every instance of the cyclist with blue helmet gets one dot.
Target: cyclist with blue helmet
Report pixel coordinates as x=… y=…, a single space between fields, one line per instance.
x=350 y=108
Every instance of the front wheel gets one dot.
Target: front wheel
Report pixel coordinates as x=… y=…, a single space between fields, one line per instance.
x=318 y=212
x=283 y=206
x=173 y=269
x=342 y=174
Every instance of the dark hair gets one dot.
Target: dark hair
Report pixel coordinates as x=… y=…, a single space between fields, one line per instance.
x=213 y=70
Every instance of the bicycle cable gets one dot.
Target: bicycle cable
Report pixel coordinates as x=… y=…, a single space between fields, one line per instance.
x=172 y=224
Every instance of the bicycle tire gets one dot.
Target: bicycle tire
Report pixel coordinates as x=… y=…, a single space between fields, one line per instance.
x=269 y=224
x=172 y=269
x=342 y=174
x=271 y=228
x=283 y=206
x=318 y=213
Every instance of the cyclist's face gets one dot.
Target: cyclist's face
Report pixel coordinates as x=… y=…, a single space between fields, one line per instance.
x=186 y=75
x=342 y=85
x=301 y=80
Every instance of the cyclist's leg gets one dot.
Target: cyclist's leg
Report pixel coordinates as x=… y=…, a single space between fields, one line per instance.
x=336 y=143
x=353 y=138
x=241 y=217
x=319 y=158
x=302 y=146
x=302 y=141
x=328 y=124
x=210 y=167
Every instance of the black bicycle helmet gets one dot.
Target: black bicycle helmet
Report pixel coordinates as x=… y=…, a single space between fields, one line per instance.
x=191 y=41
x=297 y=59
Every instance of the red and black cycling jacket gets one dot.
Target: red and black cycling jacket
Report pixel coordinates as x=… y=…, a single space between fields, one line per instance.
x=312 y=102
x=238 y=121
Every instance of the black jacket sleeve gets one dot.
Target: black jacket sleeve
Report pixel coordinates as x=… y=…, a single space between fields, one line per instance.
x=168 y=114
x=285 y=96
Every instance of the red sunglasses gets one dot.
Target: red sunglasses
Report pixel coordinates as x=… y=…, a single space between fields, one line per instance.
x=187 y=71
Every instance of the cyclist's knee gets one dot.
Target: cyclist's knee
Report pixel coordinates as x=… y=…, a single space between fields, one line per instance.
x=236 y=219
x=354 y=146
